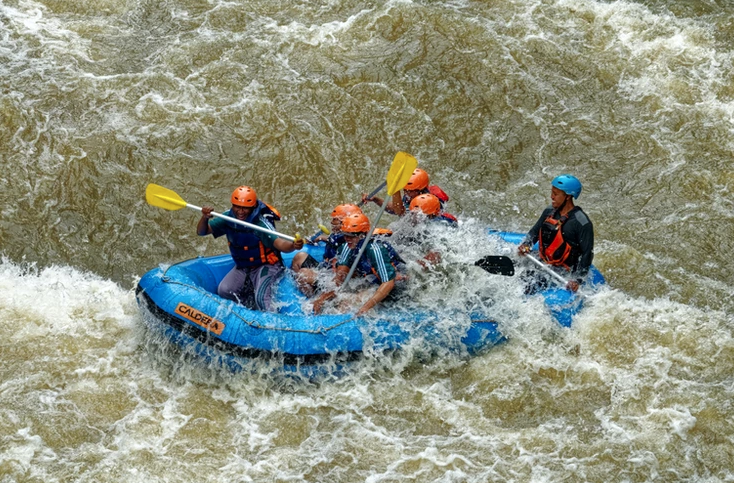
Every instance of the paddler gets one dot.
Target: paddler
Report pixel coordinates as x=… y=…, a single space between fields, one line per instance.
x=379 y=263
x=306 y=267
x=256 y=254
x=427 y=207
x=565 y=233
x=430 y=205
x=418 y=184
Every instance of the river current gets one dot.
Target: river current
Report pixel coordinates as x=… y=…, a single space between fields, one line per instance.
x=308 y=102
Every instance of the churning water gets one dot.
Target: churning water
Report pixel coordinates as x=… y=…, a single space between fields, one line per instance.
x=308 y=102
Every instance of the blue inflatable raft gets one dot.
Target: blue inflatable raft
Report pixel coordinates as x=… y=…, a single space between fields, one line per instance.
x=180 y=302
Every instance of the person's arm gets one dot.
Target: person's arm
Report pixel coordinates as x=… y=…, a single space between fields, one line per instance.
x=341 y=275
x=287 y=246
x=273 y=241
x=586 y=247
x=379 y=258
x=374 y=199
x=532 y=237
x=583 y=232
x=396 y=206
x=202 y=227
x=382 y=292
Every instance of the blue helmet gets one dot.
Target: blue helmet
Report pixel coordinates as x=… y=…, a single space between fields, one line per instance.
x=568 y=184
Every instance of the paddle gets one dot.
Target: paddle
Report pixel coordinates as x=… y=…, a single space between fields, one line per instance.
x=322 y=231
x=398 y=176
x=545 y=267
x=496 y=264
x=502 y=265
x=169 y=200
x=374 y=192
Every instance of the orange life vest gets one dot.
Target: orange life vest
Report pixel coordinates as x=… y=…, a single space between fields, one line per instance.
x=553 y=249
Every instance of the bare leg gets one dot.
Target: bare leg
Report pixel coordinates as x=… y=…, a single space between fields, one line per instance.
x=298 y=261
x=306 y=281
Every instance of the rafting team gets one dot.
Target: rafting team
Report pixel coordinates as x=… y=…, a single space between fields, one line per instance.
x=564 y=232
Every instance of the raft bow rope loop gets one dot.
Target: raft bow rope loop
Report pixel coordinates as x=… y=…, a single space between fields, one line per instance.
x=161 y=197
x=398 y=176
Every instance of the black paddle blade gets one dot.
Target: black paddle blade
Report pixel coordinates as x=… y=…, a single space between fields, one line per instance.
x=496 y=264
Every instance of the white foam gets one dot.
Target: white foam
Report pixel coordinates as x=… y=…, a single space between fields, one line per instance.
x=664 y=52
x=25 y=448
x=60 y=300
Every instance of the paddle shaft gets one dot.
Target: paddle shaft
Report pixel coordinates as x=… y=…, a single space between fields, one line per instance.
x=243 y=223
x=374 y=192
x=547 y=269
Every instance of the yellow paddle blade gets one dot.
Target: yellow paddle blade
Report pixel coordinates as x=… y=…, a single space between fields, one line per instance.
x=163 y=198
x=324 y=229
x=400 y=172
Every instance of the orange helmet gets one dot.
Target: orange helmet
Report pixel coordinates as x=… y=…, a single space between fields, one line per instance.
x=356 y=223
x=244 y=196
x=427 y=203
x=342 y=211
x=418 y=181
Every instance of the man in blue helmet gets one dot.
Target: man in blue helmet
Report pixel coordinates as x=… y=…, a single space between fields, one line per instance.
x=565 y=233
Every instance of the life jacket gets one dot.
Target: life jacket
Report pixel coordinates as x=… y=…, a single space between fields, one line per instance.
x=553 y=249
x=432 y=189
x=244 y=244
x=272 y=208
x=365 y=268
x=438 y=193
